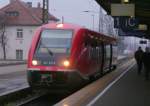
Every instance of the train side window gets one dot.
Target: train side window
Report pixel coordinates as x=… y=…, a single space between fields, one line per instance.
x=108 y=51
x=97 y=54
x=94 y=50
x=86 y=43
x=107 y=55
x=90 y=53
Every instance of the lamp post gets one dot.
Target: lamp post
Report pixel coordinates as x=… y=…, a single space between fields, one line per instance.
x=93 y=20
x=45 y=17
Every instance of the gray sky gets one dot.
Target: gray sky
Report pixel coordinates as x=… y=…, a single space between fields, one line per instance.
x=71 y=10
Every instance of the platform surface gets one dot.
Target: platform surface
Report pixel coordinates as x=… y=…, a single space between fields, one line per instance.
x=130 y=90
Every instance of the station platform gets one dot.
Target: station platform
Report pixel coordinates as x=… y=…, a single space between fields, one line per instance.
x=125 y=89
x=130 y=90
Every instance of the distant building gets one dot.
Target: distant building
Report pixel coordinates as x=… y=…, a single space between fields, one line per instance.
x=21 y=21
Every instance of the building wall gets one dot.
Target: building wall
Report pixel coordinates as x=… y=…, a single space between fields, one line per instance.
x=15 y=43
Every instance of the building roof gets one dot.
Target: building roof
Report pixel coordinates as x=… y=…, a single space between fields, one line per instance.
x=18 y=12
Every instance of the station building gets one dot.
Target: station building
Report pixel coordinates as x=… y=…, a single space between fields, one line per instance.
x=21 y=20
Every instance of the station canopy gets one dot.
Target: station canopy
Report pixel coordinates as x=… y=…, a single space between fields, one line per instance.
x=142 y=11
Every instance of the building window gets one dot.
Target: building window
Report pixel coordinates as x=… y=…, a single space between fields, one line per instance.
x=12 y=13
x=19 y=33
x=19 y=54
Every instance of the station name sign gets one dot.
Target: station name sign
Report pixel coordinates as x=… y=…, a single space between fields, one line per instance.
x=125 y=22
x=123 y=10
x=143 y=42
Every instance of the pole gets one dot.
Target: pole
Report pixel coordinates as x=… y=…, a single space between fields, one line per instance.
x=134 y=43
x=99 y=19
x=45 y=13
x=62 y=19
x=93 y=21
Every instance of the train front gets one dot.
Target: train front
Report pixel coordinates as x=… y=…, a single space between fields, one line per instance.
x=49 y=63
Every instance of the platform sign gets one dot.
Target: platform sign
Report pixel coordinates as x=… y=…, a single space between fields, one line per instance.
x=123 y=9
x=125 y=22
x=136 y=33
x=142 y=27
x=143 y=42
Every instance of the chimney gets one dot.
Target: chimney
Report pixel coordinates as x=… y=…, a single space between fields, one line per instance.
x=39 y=5
x=29 y=4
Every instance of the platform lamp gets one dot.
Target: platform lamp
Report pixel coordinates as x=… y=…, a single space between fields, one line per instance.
x=125 y=1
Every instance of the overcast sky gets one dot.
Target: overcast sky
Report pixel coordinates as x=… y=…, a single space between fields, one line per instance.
x=71 y=10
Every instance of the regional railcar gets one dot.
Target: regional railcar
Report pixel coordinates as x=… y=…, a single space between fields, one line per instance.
x=66 y=55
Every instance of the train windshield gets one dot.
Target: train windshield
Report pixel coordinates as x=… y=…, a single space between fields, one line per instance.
x=55 y=41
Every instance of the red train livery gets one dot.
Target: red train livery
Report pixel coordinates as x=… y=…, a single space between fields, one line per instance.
x=66 y=55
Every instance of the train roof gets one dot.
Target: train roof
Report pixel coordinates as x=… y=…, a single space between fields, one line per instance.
x=62 y=26
x=73 y=27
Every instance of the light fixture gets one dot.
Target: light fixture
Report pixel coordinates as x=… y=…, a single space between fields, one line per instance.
x=59 y=25
x=125 y=1
x=34 y=62
x=65 y=105
x=131 y=16
x=66 y=63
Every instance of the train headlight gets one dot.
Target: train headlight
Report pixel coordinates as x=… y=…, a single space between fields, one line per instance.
x=66 y=63
x=59 y=25
x=34 y=62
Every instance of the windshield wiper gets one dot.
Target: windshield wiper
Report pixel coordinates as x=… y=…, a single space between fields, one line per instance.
x=49 y=51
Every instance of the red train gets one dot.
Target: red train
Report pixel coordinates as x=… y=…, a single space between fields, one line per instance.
x=66 y=55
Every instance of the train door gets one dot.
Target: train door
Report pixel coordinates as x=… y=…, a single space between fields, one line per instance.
x=96 y=54
x=111 y=57
x=100 y=57
x=107 y=57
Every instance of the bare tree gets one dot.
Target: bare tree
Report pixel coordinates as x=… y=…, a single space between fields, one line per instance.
x=3 y=37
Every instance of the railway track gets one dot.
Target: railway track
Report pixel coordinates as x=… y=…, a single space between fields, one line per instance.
x=40 y=99
x=31 y=99
x=13 y=95
x=25 y=96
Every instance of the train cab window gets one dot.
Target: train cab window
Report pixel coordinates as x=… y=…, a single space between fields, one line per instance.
x=55 y=41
